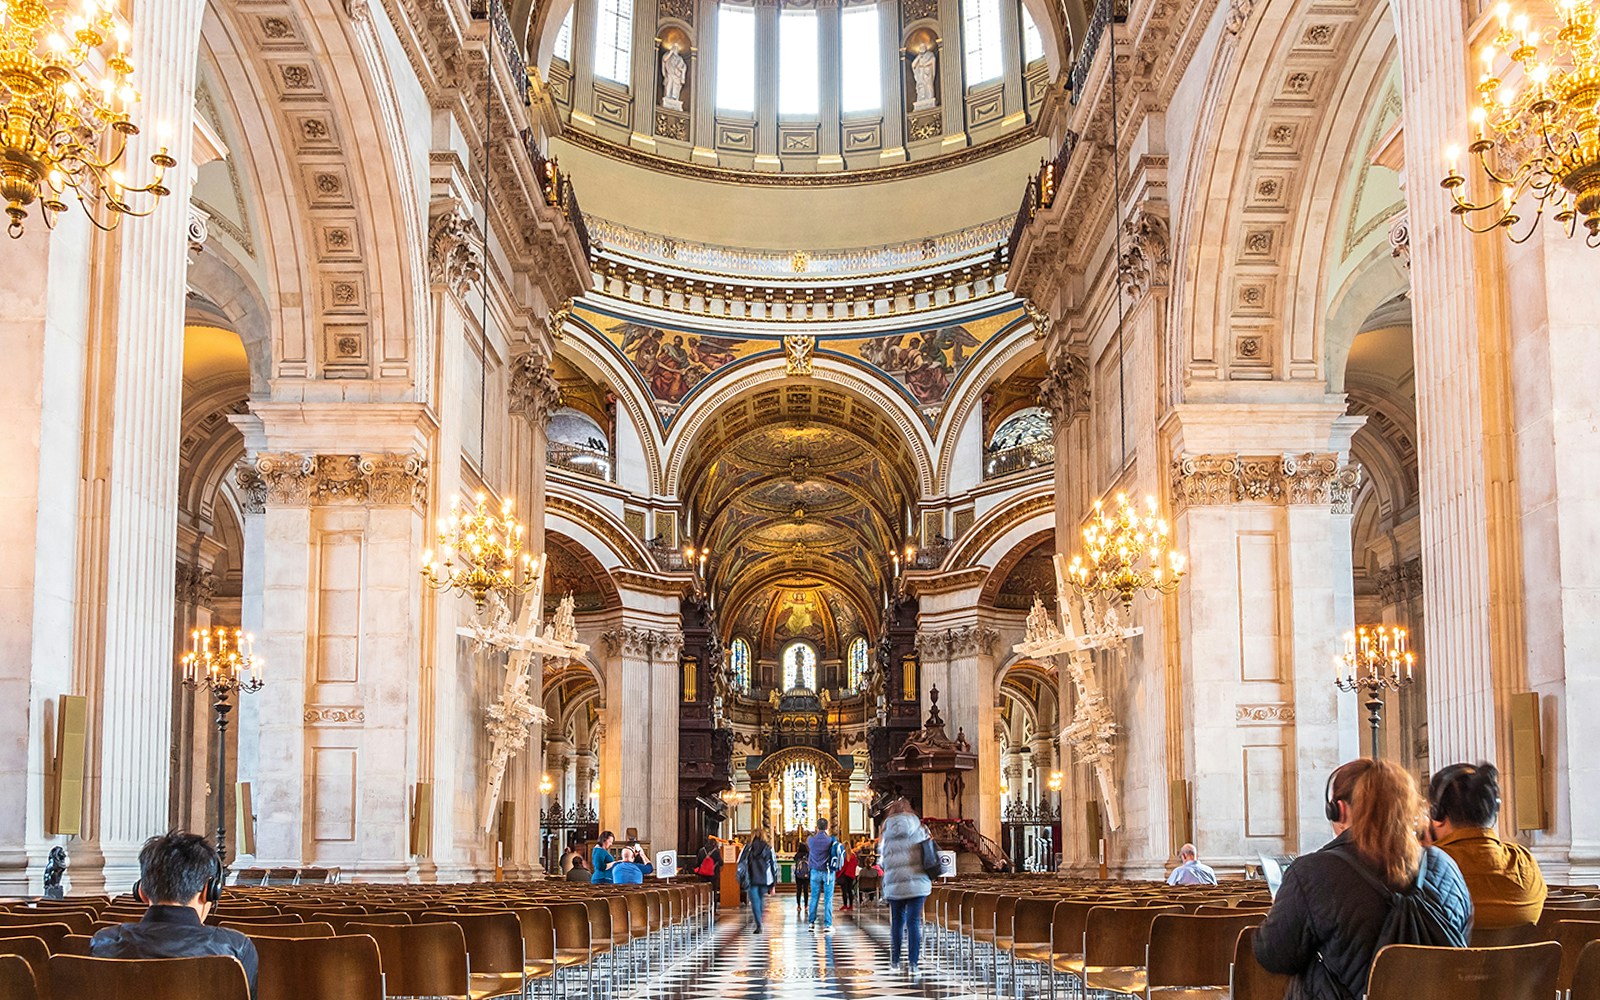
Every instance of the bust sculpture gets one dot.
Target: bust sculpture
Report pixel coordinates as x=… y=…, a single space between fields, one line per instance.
x=674 y=69
x=923 y=69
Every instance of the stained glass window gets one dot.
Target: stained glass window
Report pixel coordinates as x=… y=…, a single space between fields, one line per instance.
x=858 y=662
x=799 y=667
x=739 y=658
x=800 y=796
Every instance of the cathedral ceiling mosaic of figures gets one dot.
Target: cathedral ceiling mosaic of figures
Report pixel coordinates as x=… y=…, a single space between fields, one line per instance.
x=924 y=363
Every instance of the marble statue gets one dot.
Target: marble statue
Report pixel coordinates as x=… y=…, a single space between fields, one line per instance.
x=674 y=68
x=923 y=69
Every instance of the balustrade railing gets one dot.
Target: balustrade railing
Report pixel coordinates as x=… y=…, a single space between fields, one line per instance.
x=1038 y=454
x=1034 y=814
x=557 y=189
x=500 y=24
x=1104 y=11
x=594 y=462
x=1040 y=191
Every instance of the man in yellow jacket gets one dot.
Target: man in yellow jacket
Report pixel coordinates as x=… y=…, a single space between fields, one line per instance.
x=1505 y=882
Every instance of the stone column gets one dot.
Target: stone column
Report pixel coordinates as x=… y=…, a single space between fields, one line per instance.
x=639 y=763
x=1468 y=477
x=128 y=540
x=957 y=656
x=1260 y=614
x=338 y=732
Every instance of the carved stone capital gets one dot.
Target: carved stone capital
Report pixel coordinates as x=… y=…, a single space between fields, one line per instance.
x=1400 y=583
x=455 y=250
x=1065 y=388
x=535 y=393
x=1307 y=479
x=193 y=585
x=1146 y=260
x=1400 y=240
x=643 y=643
x=252 y=488
x=933 y=645
x=291 y=479
x=972 y=640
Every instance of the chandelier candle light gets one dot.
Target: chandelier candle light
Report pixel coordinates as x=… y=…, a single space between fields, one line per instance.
x=66 y=115
x=1375 y=660
x=482 y=554
x=1128 y=552
x=222 y=661
x=1537 y=133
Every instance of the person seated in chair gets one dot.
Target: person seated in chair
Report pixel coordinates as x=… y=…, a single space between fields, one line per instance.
x=633 y=867
x=1190 y=870
x=1504 y=880
x=180 y=877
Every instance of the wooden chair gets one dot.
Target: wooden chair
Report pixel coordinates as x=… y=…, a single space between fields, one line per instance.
x=18 y=980
x=570 y=924
x=1030 y=933
x=325 y=968
x=51 y=934
x=1572 y=935
x=420 y=960
x=1191 y=954
x=1586 y=976
x=539 y=945
x=31 y=950
x=340 y=921
x=80 y=922
x=74 y=944
x=207 y=977
x=1501 y=937
x=1116 y=943
x=1519 y=972
x=1250 y=980
x=255 y=931
x=229 y=920
x=495 y=957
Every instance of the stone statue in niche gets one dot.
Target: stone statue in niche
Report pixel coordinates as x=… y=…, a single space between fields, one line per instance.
x=674 y=70
x=923 y=69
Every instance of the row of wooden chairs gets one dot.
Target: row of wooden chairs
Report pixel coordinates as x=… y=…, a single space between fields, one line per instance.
x=461 y=941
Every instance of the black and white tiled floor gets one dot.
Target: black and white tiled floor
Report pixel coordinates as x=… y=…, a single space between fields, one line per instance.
x=788 y=960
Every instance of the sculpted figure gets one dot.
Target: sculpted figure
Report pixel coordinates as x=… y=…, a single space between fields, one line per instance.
x=923 y=68
x=674 y=69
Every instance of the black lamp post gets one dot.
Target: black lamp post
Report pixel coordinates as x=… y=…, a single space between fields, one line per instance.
x=1375 y=660
x=222 y=661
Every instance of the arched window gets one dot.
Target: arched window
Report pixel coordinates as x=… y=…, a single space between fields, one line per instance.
x=739 y=664
x=981 y=39
x=799 y=83
x=799 y=796
x=576 y=443
x=736 y=58
x=858 y=662
x=860 y=61
x=799 y=667
x=564 y=39
x=613 y=41
x=1032 y=41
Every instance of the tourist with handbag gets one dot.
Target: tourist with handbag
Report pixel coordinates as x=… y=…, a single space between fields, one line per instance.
x=904 y=852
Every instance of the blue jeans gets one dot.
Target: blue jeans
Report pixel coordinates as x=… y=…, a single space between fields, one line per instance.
x=758 y=901
x=821 y=885
x=905 y=913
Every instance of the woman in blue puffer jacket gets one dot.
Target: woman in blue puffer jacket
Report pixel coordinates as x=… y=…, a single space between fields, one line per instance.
x=905 y=883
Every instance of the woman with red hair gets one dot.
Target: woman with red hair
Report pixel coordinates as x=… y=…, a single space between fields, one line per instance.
x=1325 y=924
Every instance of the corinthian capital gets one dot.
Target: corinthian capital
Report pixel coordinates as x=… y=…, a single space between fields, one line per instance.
x=291 y=479
x=1065 y=389
x=933 y=645
x=455 y=249
x=972 y=640
x=535 y=393
x=1146 y=261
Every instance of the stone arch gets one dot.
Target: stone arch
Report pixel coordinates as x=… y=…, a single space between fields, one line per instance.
x=596 y=531
x=1001 y=530
x=1004 y=351
x=1281 y=116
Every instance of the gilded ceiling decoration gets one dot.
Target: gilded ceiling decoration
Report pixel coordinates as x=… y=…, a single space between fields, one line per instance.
x=1031 y=574
x=924 y=363
x=572 y=570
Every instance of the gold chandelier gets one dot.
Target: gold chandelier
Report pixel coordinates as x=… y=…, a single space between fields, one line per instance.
x=65 y=118
x=482 y=554
x=1539 y=133
x=222 y=660
x=1128 y=552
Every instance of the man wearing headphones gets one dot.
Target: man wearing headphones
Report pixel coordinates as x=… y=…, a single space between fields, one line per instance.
x=180 y=876
x=1505 y=882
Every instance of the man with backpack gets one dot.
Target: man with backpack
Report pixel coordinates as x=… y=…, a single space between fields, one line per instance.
x=825 y=855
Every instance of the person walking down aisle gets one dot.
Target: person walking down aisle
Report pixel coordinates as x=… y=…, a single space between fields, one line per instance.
x=802 y=880
x=758 y=874
x=824 y=854
x=847 y=879
x=903 y=853
x=1330 y=913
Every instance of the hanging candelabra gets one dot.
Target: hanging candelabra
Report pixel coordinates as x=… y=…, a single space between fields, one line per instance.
x=222 y=661
x=1126 y=553
x=481 y=554
x=1536 y=125
x=1375 y=660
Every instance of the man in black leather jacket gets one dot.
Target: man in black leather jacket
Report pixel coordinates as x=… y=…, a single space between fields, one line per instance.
x=175 y=876
x=1326 y=917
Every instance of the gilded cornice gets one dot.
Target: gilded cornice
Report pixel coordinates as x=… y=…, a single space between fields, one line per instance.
x=1308 y=479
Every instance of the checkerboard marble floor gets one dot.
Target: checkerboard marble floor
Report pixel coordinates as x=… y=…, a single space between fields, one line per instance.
x=788 y=960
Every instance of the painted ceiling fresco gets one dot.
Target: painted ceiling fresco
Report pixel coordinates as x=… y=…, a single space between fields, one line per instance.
x=672 y=363
x=1032 y=574
x=572 y=570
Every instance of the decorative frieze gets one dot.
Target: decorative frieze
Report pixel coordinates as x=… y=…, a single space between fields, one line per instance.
x=643 y=643
x=334 y=715
x=455 y=250
x=535 y=393
x=1400 y=584
x=1272 y=714
x=291 y=479
x=947 y=644
x=1311 y=478
x=1065 y=388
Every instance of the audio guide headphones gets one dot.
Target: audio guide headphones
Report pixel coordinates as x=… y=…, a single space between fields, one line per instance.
x=1330 y=805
